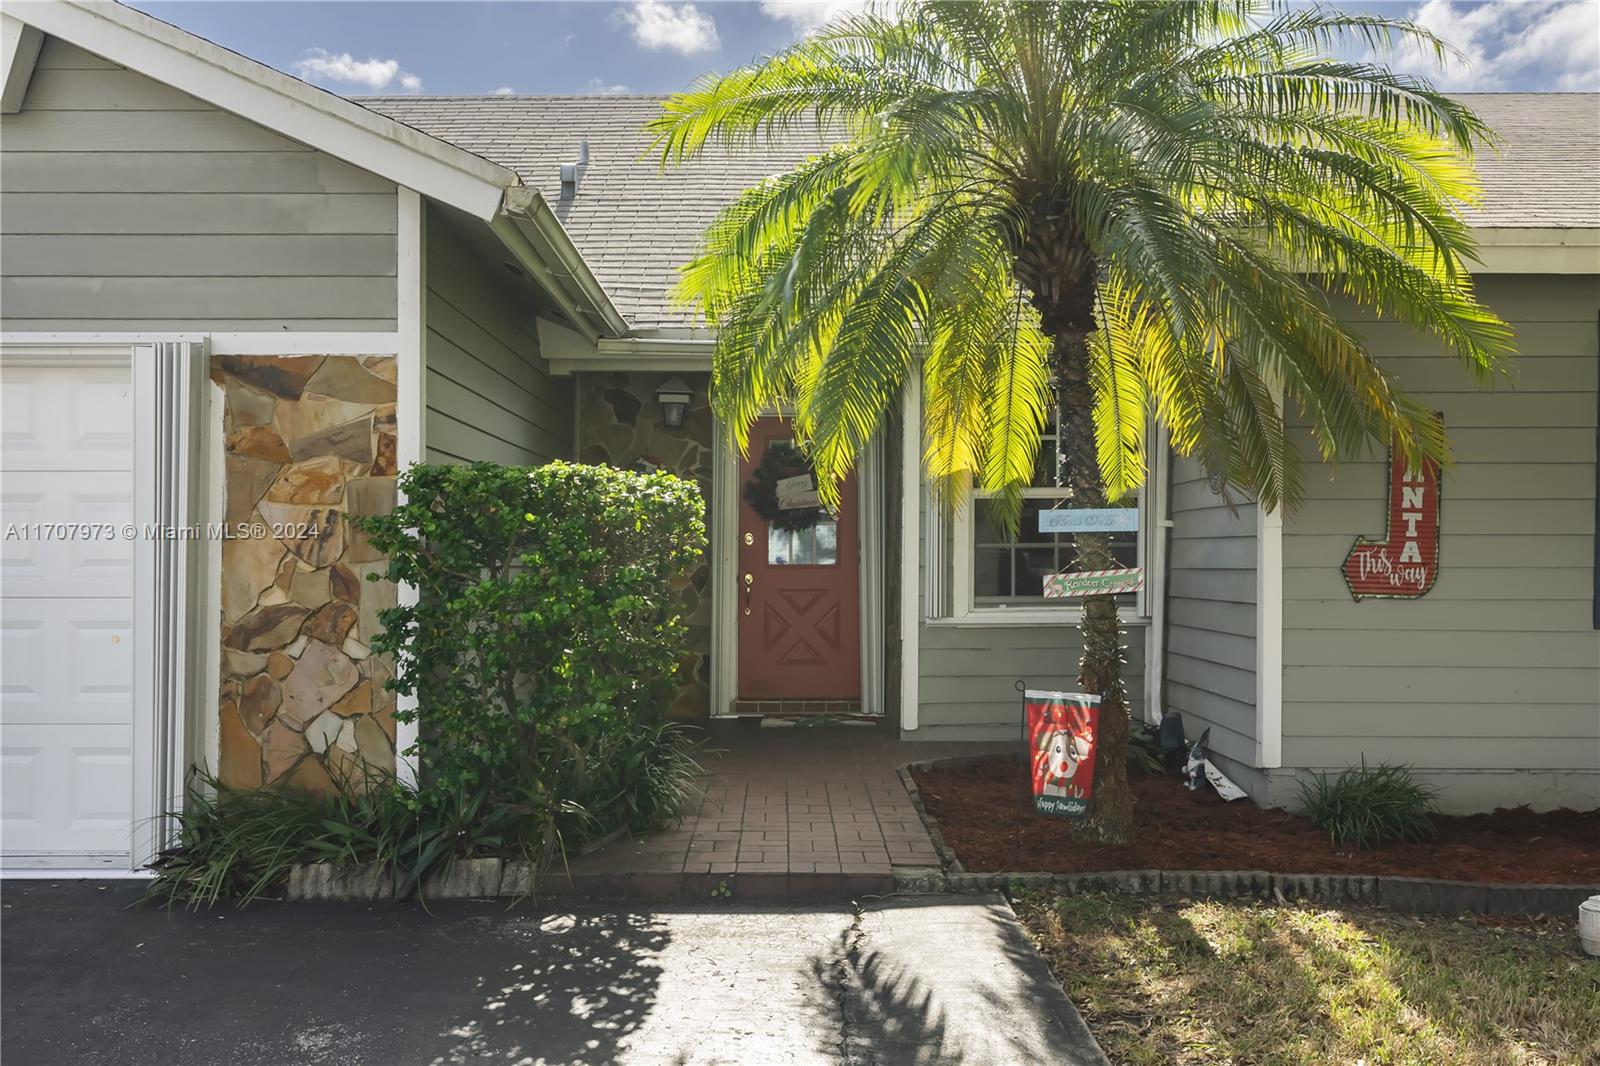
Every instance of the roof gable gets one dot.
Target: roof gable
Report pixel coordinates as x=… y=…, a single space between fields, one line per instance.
x=410 y=157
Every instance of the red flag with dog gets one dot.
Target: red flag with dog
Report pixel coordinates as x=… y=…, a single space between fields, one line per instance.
x=1062 y=735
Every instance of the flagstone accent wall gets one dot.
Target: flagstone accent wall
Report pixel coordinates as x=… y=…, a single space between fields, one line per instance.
x=309 y=444
x=619 y=424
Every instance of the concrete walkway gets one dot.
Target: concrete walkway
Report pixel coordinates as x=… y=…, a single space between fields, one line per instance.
x=908 y=980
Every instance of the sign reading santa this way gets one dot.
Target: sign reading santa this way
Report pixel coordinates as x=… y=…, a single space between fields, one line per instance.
x=1405 y=563
x=1062 y=736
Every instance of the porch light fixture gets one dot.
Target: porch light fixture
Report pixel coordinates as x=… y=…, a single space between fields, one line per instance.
x=673 y=396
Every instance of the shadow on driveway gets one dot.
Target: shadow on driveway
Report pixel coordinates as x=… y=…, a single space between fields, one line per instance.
x=90 y=979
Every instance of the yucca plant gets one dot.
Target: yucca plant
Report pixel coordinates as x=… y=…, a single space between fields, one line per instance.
x=1125 y=209
x=1367 y=806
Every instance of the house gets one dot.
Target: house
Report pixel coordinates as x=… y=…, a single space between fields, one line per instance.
x=232 y=306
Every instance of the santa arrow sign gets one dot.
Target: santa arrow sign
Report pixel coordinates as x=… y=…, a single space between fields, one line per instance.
x=1405 y=563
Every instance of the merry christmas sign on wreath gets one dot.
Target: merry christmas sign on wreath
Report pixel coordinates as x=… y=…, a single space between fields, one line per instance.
x=783 y=490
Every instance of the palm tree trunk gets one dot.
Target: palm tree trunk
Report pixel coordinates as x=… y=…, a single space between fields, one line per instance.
x=1110 y=816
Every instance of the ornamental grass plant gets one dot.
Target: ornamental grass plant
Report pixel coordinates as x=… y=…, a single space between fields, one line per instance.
x=1367 y=806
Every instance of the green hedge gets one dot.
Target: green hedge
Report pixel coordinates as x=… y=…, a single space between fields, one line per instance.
x=543 y=644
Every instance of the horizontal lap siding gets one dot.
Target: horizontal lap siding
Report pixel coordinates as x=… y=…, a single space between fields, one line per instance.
x=969 y=672
x=490 y=395
x=1211 y=614
x=126 y=204
x=1498 y=666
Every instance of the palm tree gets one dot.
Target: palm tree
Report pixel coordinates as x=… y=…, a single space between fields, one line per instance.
x=1130 y=211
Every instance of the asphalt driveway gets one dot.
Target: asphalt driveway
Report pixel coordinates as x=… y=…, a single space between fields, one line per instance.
x=90 y=978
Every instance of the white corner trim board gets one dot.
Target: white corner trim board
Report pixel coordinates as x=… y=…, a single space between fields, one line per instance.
x=292 y=107
x=910 y=549
x=1269 y=638
x=411 y=399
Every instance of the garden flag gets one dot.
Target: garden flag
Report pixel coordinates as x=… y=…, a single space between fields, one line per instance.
x=1062 y=734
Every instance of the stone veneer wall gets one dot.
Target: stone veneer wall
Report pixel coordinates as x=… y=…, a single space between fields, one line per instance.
x=619 y=424
x=309 y=443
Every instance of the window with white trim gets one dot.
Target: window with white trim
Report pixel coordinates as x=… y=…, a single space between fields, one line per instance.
x=1001 y=575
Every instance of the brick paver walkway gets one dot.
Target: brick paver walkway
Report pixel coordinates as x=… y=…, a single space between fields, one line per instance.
x=806 y=800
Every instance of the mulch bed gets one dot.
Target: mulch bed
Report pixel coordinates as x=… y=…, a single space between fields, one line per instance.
x=982 y=810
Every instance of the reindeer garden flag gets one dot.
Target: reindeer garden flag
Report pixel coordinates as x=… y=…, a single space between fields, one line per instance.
x=1062 y=735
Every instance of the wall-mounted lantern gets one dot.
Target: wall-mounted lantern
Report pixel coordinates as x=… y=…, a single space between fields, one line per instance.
x=673 y=396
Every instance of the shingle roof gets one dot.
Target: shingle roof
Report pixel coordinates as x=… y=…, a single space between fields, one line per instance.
x=1547 y=171
x=634 y=222
x=637 y=223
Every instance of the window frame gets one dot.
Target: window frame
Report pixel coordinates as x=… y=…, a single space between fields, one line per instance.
x=963 y=597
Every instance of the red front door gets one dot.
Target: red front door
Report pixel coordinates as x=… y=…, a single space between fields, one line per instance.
x=799 y=592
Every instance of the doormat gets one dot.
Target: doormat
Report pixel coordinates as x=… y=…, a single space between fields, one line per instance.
x=797 y=708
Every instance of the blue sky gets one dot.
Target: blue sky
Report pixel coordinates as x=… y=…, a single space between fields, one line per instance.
x=659 y=46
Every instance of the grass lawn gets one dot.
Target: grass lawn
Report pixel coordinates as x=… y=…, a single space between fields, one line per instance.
x=1235 y=982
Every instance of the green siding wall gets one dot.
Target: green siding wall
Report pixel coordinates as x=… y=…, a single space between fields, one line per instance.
x=127 y=205
x=1489 y=684
x=1211 y=614
x=969 y=675
x=490 y=395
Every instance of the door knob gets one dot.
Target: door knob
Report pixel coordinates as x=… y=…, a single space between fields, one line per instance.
x=749 y=579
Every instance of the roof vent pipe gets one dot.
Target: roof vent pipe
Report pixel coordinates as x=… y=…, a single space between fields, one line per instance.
x=571 y=172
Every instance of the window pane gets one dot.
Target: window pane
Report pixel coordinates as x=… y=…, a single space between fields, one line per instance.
x=1047 y=464
x=991 y=572
x=1032 y=566
x=816 y=545
x=827 y=534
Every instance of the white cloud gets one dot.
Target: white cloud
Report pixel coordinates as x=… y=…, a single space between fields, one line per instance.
x=681 y=28
x=601 y=88
x=1547 y=45
x=321 y=65
x=504 y=90
x=809 y=15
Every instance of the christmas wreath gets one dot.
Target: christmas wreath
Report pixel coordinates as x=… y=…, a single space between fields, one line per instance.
x=782 y=460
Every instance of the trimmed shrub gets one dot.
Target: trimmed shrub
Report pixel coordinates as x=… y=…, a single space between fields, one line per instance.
x=1367 y=806
x=544 y=641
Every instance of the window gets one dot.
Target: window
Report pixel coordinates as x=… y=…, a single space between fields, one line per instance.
x=815 y=545
x=995 y=572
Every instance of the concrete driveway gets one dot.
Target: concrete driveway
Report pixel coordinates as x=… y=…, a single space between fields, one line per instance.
x=87 y=978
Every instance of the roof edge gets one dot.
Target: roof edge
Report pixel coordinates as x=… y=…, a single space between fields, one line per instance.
x=1537 y=249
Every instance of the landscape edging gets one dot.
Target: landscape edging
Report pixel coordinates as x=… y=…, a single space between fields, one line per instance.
x=1410 y=895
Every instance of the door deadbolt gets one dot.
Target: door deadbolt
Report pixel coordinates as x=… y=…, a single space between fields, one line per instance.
x=749 y=538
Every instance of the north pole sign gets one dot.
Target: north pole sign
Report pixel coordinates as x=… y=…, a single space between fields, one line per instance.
x=1405 y=564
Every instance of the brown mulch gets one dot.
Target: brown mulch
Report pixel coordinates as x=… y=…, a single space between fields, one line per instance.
x=982 y=810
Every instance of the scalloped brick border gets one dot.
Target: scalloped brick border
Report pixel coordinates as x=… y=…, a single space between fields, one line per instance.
x=1411 y=895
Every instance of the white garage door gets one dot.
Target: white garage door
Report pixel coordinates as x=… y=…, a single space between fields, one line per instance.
x=66 y=610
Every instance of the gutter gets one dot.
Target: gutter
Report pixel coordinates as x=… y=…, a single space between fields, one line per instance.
x=525 y=222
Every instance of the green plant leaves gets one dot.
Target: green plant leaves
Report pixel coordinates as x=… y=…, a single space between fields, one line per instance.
x=1367 y=806
x=542 y=649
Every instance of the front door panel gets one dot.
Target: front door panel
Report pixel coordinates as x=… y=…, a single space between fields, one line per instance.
x=799 y=590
